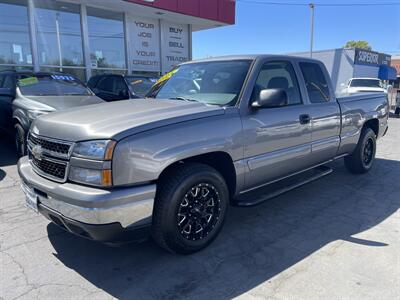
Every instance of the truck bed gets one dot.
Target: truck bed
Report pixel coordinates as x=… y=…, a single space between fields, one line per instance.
x=357 y=109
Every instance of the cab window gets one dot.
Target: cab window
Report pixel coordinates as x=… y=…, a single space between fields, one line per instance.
x=278 y=75
x=316 y=84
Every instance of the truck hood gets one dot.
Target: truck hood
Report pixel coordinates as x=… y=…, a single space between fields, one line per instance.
x=65 y=102
x=116 y=120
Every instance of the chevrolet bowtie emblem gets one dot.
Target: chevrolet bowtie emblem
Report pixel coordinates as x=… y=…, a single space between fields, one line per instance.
x=37 y=152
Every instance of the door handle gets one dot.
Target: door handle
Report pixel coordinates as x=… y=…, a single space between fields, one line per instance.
x=304 y=119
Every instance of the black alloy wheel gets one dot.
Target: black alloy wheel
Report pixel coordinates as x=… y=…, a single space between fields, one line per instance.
x=198 y=211
x=368 y=151
x=363 y=156
x=190 y=208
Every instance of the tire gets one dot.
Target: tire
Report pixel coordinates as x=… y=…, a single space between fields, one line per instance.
x=20 y=140
x=362 y=159
x=190 y=208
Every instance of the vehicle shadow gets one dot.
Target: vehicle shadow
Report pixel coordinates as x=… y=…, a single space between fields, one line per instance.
x=8 y=154
x=256 y=243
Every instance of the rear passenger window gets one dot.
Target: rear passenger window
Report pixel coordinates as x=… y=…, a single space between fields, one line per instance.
x=317 y=87
x=106 y=84
x=278 y=75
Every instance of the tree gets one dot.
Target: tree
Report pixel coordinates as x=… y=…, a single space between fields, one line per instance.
x=358 y=44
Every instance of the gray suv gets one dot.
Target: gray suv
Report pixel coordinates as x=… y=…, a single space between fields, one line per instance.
x=25 y=95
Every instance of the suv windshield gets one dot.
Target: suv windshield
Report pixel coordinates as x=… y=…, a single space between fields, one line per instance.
x=140 y=85
x=216 y=82
x=50 y=85
x=374 y=83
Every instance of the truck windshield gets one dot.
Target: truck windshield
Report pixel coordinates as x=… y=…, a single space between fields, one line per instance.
x=373 y=83
x=50 y=85
x=216 y=82
x=140 y=85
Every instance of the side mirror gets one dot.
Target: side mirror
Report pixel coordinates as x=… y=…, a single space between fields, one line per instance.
x=270 y=98
x=342 y=85
x=7 y=92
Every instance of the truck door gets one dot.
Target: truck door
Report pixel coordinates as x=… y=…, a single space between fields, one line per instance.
x=277 y=140
x=324 y=112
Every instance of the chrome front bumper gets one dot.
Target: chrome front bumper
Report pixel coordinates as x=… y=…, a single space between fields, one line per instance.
x=129 y=206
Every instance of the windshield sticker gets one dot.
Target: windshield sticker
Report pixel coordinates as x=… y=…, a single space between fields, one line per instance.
x=63 y=77
x=28 y=81
x=136 y=82
x=168 y=75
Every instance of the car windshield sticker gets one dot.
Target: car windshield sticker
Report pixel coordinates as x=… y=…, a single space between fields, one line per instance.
x=136 y=82
x=28 y=81
x=63 y=77
x=167 y=75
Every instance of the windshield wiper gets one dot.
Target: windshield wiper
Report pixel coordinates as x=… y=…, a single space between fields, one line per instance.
x=184 y=99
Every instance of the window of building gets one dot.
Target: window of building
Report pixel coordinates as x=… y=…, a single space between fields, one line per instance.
x=278 y=75
x=59 y=37
x=316 y=84
x=106 y=39
x=14 y=33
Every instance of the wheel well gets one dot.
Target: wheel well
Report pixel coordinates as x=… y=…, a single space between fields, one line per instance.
x=373 y=124
x=221 y=161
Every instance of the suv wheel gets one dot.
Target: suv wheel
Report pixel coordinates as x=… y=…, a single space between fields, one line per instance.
x=362 y=159
x=190 y=208
x=20 y=140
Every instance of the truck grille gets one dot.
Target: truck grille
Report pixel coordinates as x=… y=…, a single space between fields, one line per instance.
x=56 y=148
x=49 y=157
x=49 y=168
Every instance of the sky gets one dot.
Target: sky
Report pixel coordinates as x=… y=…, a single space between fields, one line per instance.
x=284 y=29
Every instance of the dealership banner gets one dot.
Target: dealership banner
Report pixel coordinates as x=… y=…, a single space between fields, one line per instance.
x=145 y=48
x=366 y=57
x=174 y=45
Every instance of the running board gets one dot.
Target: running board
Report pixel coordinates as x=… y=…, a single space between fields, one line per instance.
x=278 y=188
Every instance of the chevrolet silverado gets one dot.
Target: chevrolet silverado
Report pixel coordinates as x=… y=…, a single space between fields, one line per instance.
x=209 y=133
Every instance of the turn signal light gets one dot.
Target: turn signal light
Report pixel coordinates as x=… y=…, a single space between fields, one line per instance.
x=106 y=178
x=110 y=150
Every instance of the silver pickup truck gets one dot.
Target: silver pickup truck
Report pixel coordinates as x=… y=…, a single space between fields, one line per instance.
x=209 y=134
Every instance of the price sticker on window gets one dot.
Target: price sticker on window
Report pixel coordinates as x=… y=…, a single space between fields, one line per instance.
x=28 y=81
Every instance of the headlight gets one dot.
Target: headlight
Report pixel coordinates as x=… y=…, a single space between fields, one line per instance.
x=33 y=114
x=90 y=176
x=97 y=150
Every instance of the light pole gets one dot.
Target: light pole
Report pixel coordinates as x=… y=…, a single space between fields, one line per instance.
x=312 y=28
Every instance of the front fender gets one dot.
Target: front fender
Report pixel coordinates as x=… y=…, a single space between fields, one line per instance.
x=143 y=157
x=20 y=116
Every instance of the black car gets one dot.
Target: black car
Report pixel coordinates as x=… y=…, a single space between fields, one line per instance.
x=112 y=87
x=25 y=95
